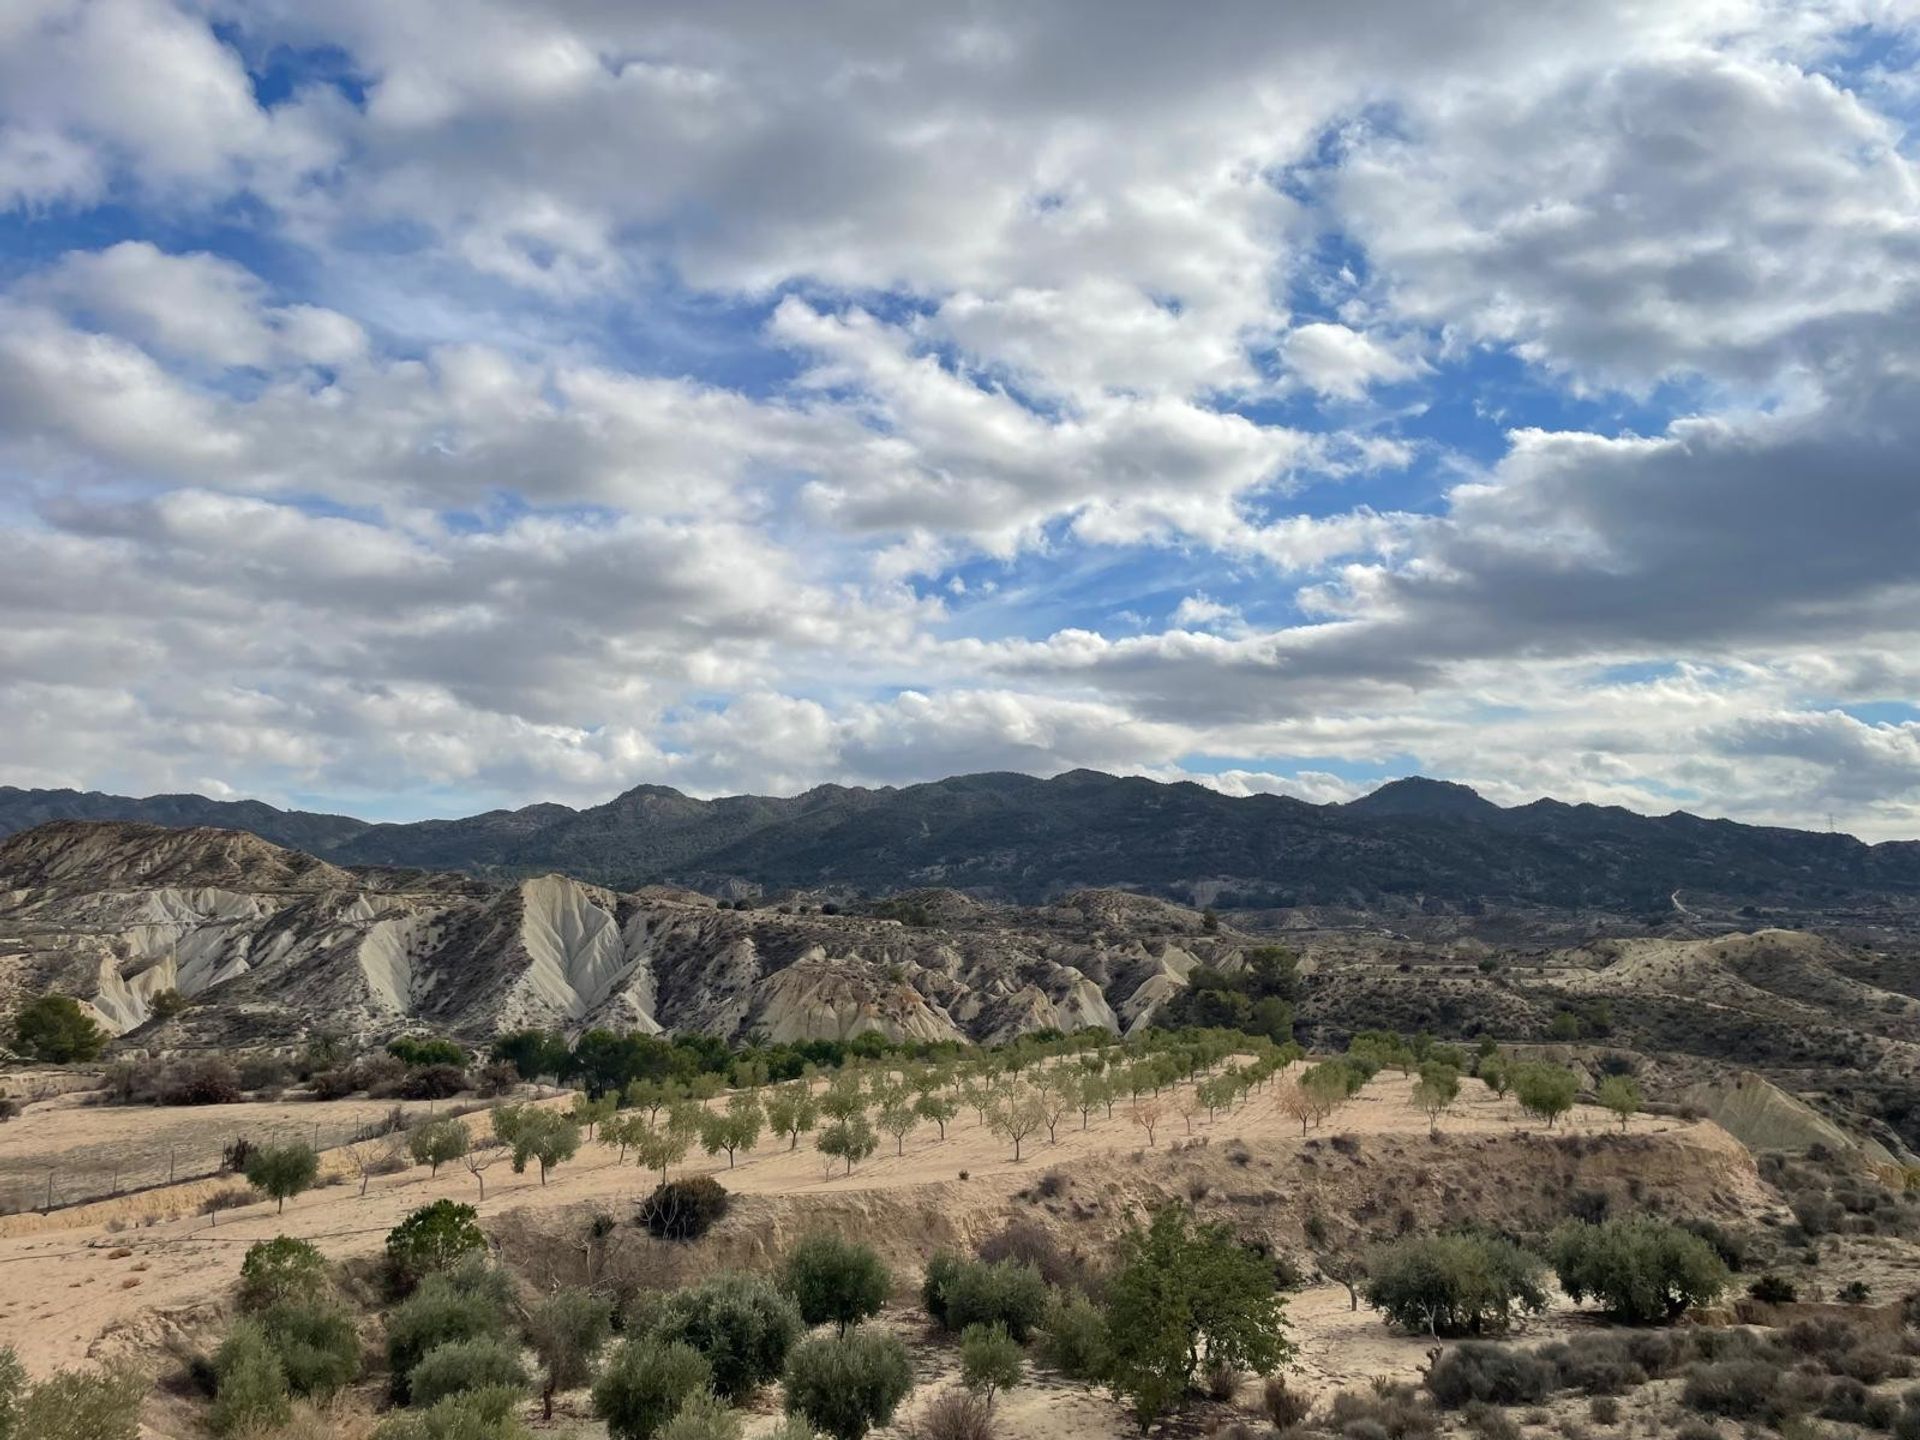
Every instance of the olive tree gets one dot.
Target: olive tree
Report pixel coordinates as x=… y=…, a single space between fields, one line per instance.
x=834 y=1280
x=566 y=1330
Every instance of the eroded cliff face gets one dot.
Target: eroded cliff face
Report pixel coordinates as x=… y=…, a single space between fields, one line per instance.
x=268 y=944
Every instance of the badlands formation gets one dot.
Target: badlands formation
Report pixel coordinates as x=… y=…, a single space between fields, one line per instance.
x=268 y=943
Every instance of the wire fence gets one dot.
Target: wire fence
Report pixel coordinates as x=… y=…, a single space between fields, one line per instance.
x=32 y=1186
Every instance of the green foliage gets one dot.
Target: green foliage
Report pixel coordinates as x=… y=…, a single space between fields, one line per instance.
x=740 y=1323
x=852 y=1140
x=1183 y=1293
x=1620 y=1095
x=1073 y=1338
x=435 y=1237
x=13 y=1386
x=282 y=1268
x=436 y=1142
x=834 y=1280
x=167 y=1004
x=1435 y=1091
x=1455 y=1284
x=54 y=1028
x=703 y=1417
x=645 y=1383
x=1255 y=1000
x=1771 y=1289
x=318 y=1347
x=414 y=1051
x=251 y=1386
x=78 y=1405
x=1494 y=1073
x=449 y=1306
x=1545 y=1091
x=545 y=1136
x=792 y=1111
x=534 y=1054
x=847 y=1385
x=282 y=1171
x=1642 y=1270
x=483 y=1363
x=959 y=1293
x=473 y=1415
x=685 y=1209
x=737 y=1128
x=990 y=1360
x=566 y=1331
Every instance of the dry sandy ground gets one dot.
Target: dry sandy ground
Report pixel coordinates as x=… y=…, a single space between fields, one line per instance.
x=89 y=1150
x=118 y=1276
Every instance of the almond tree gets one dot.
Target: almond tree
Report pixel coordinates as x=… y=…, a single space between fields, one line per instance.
x=938 y=1108
x=1147 y=1114
x=1056 y=1098
x=659 y=1146
x=792 y=1109
x=1017 y=1117
x=477 y=1163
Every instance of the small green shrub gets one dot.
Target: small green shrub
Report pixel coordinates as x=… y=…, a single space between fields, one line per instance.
x=835 y=1281
x=485 y=1362
x=251 y=1393
x=1771 y=1289
x=452 y=1306
x=703 y=1417
x=849 y=1384
x=434 y=1237
x=741 y=1324
x=1073 y=1338
x=474 y=1415
x=281 y=1269
x=959 y=1293
x=644 y=1384
x=82 y=1405
x=1395 y=1412
x=319 y=1348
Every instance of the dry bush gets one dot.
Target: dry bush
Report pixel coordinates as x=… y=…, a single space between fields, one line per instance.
x=954 y=1415
x=1283 y=1407
x=1395 y=1412
x=1027 y=1242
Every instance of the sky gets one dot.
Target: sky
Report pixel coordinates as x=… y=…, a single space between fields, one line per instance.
x=412 y=409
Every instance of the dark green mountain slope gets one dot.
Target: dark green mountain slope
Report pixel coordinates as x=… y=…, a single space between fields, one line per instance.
x=1021 y=838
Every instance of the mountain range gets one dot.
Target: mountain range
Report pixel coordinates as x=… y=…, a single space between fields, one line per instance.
x=1412 y=843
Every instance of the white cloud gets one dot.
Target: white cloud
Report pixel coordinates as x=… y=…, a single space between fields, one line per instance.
x=629 y=373
x=1337 y=361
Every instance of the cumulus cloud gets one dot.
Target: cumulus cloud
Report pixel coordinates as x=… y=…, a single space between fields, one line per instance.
x=525 y=400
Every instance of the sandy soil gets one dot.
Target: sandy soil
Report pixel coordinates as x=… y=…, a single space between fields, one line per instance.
x=92 y=1150
x=120 y=1278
